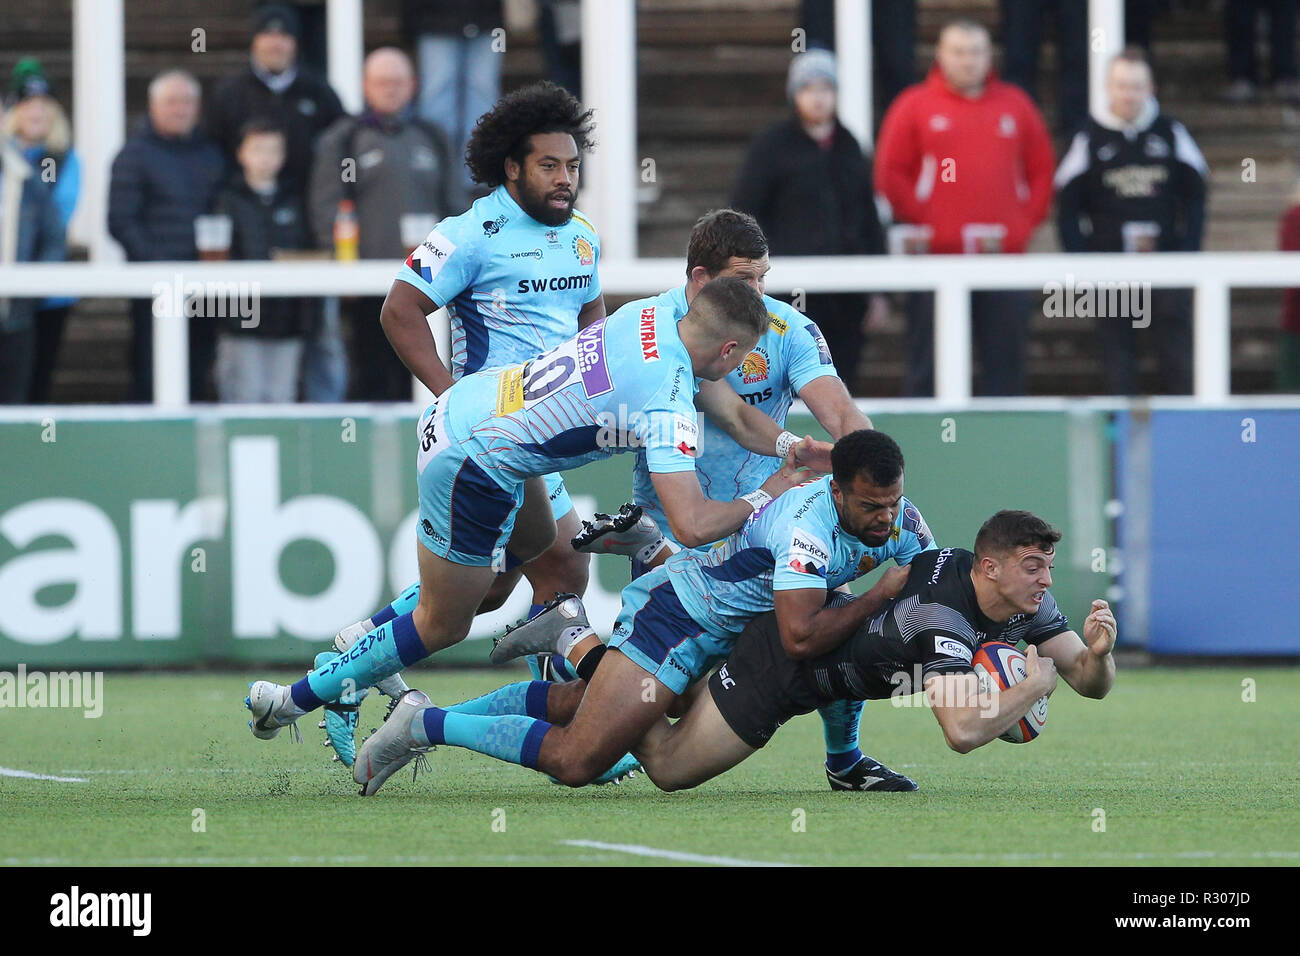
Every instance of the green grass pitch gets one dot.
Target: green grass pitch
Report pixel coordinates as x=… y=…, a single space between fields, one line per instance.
x=1185 y=771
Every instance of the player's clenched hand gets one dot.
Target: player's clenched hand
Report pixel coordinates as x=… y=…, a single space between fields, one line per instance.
x=789 y=475
x=1040 y=670
x=1099 y=629
x=891 y=583
x=813 y=454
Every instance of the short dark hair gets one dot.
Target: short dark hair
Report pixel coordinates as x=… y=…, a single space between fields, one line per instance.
x=1008 y=530
x=503 y=131
x=720 y=234
x=259 y=126
x=731 y=301
x=866 y=452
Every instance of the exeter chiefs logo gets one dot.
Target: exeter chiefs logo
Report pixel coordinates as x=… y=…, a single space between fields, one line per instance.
x=582 y=249
x=754 y=367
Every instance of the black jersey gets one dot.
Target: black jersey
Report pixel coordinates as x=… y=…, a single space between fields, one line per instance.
x=934 y=626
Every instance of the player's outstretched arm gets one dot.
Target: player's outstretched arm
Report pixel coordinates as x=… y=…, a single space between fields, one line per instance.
x=833 y=407
x=696 y=520
x=1087 y=663
x=404 y=320
x=970 y=719
x=809 y=627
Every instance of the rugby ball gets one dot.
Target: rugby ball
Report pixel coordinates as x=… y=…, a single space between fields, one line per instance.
x=1001 y=665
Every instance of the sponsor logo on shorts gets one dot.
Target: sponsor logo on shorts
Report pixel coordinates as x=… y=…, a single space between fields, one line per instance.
x=950 y=648
x=649 y=347
x=510 y=391
x=726 y=679
x=582 y=249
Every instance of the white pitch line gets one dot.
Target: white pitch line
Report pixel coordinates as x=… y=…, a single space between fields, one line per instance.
x=637 y=850
x=28 y=775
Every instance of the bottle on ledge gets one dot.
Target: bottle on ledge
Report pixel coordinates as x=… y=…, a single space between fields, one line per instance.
x=347 y=232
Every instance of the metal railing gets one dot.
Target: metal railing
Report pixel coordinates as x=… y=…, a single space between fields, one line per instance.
x=950 y=277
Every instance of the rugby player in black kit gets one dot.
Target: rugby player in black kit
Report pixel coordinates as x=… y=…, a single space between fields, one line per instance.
x=953 y=601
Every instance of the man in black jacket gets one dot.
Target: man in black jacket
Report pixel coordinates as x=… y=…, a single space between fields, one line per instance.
x=162 y=179
x=1135 y=182
x=274 y=87
x=806 y=182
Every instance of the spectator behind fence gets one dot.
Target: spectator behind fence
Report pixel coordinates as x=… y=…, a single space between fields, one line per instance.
x=30 y=231
x=1243 y=70
x=1134 y=181
x=460 y=66
x=39 y=129
x=968 y=157
x=893 y=42
x=806 y=182
x=163 y=177
x=1022 y=35
x=1288 y=343
x=403 y=171
x=274 y=87
x=258 y=358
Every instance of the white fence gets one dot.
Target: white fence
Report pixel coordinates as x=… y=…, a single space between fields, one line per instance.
x=951 y=278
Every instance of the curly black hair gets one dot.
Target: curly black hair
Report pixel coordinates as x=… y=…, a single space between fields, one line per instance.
x=503 y=131
x=867 y=452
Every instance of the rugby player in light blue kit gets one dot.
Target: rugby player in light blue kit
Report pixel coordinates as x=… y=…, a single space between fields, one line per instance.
x=676 y=621
x=632 y=380
x=791 y=359
x=517 y=273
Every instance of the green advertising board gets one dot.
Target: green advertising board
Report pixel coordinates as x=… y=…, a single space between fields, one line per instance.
x=222 y=538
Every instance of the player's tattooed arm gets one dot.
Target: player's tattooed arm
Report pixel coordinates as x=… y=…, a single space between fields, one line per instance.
x=810 y=627
x=970 y=719
x=593 y=311
x=832 y=406
x=1087 y=663
x=403 y=318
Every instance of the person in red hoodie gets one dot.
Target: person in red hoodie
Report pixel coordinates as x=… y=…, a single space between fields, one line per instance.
x=969 y=157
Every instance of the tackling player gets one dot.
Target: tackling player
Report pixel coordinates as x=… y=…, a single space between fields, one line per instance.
x=952 y=602
x=632 y=380
x=676 y=621
x=791 y=359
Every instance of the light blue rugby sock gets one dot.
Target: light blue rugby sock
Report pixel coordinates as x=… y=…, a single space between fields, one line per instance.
x=512 y=737
x=386 y=650
x=527 y=697
x=404 y=603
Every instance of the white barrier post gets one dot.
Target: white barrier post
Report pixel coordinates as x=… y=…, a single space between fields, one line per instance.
x=171 y=347
x=1105 y=39
x=345 y=35
x=952 y=344
x=98 y=117
x=853 y=65
x=609 y=177
x=1212 y=341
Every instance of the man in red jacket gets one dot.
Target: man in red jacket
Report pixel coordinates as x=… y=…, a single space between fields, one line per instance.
x=968 y=156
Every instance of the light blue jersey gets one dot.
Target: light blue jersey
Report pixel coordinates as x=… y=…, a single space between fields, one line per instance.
x=790 y=354
x=621 y=384
x=513 y=286
x=793 y=542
